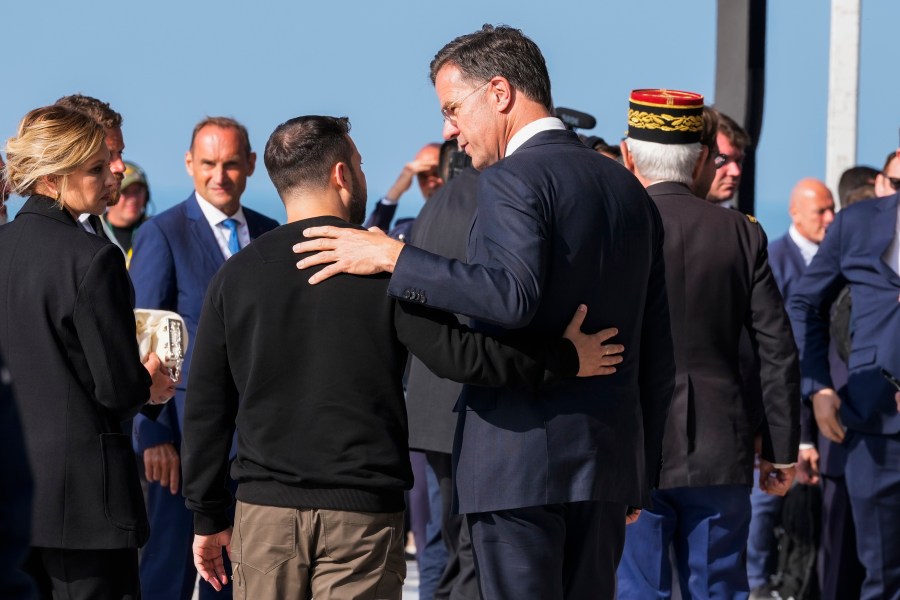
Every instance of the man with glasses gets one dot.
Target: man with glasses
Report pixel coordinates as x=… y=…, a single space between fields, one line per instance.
x=702 y=506
x=545 y=479
x=888 y=181
x=731 y=140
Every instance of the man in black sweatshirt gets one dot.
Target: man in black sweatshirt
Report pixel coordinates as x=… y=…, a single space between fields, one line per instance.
x=311 y=378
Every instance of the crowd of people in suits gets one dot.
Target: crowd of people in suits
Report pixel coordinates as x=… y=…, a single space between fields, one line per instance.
x=590 y=375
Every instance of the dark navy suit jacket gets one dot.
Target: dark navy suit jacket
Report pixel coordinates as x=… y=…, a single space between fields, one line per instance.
x=558 y=225
x=788 y=267
x=175 y=256
x=851 y=254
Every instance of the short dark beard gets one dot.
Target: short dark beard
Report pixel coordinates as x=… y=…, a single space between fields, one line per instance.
x=357 y=202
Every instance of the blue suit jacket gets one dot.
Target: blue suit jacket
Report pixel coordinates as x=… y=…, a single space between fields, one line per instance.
x=175 y=255
x=558 y=225
x=788 y=267
x=787 y=264
x=851 y=254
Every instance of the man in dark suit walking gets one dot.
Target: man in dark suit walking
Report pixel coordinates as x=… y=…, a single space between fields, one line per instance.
x=545 y=479
x=812 y=211
x=443 y=227
x=175 y=255
x=719 y=282
x=862 y=250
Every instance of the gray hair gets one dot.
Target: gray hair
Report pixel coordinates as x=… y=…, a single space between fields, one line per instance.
x=664 y=162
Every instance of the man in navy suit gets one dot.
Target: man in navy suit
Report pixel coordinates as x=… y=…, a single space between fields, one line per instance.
x=862 y=250
x=812 y=211
x=175 y=256
x=545 y=479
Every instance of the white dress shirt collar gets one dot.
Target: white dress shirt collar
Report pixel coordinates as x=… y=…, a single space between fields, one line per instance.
x=530 y=130
x=216 y=219
x=808 y=248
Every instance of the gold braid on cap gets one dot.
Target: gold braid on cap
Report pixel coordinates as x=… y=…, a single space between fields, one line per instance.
x=644 y=120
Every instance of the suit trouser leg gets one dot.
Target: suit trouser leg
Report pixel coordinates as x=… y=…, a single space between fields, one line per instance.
x=840 y=572
x=77 y=574
x=458 y=581
x=167 y=567
x=552 y=552
x=762 y=554
x=711 y=545
x=873 y=484
x=433 y=557
x=646 y=569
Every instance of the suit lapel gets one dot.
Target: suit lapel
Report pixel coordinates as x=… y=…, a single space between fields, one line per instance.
x=202 y=233
x=796 y=257
x=254 y=224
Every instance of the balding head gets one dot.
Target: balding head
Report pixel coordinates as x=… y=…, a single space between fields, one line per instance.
x=429 y=178
x=811 y=209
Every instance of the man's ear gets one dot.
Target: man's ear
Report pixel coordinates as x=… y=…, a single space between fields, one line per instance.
x=251 y=161
x=189 y=163
x=340 y=175
x=501 y=93
x=627 y=159
x=701 y=162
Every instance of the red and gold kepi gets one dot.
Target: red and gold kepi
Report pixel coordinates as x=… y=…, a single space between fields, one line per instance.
x=665 y=116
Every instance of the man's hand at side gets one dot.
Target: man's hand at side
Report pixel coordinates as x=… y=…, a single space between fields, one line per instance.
x=348 y=251
x=161 y=463
x=632 y=515
x=208 y=557
x=826 y=404
x=808 y=466
x=594 y=358
x=775 y=482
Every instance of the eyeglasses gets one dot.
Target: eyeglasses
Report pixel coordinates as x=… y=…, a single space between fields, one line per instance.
x=449 y=111
x=894 y=181
x=719 y=160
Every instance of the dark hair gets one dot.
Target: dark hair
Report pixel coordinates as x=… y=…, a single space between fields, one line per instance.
x=710 y=128
x=302 y=151
x=224 y=123
x=95 y=109
x=502 y=51
x=733 y=132
x=853 y=178
x=863 y=192
x=887 y=161
x=598 y=144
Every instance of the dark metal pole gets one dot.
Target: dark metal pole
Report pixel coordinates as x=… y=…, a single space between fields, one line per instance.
x=740 y=79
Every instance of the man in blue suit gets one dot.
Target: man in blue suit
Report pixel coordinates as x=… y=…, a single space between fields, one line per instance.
x=545 y=479
x=811 y=210
x=175 y=256
x=862 y=250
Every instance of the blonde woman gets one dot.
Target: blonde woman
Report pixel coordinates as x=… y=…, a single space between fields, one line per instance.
x=68 y=334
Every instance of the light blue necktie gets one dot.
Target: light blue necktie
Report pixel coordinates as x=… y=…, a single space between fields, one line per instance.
x=234 y=244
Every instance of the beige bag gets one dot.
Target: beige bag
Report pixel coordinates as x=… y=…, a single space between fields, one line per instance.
x=163 y=332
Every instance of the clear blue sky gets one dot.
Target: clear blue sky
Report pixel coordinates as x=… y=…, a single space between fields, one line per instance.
x=165 y=65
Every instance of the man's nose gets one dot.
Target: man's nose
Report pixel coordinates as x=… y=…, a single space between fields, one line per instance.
x=450 y=130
